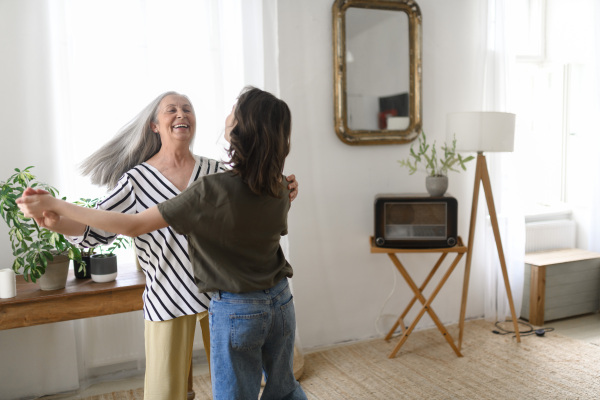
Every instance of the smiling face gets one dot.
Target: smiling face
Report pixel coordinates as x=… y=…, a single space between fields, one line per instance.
x=175 y=119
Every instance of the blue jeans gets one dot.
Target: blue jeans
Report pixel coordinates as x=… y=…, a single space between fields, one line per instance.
x=252 y=333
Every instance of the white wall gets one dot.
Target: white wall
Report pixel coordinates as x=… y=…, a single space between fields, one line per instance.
x=339 y=286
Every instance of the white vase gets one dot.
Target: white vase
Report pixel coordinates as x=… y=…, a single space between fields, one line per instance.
x=436 y=185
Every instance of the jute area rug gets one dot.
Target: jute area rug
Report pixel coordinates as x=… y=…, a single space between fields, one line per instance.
x=493 y=367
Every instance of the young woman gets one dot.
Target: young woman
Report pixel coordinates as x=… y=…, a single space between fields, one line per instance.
x=234 y=221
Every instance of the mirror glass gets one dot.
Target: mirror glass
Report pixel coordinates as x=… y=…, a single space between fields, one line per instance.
x=377 y=71
x=377 y=79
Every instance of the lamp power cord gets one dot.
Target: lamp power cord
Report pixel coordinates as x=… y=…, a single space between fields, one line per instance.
x=529 y=331
x=385 y=303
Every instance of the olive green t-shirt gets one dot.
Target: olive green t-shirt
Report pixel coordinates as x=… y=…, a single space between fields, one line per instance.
x=233 y=234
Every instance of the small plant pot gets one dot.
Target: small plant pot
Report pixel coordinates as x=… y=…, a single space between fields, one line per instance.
x=56 y=273
x=103 y=267
x=87 y=274
x=436 y=185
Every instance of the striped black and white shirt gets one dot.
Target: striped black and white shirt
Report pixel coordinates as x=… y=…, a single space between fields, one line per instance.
x=163 y=254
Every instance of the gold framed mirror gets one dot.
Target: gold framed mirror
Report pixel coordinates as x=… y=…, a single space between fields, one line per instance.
x=377 y=71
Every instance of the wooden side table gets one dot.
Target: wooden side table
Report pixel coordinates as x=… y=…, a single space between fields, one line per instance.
x=460 y=249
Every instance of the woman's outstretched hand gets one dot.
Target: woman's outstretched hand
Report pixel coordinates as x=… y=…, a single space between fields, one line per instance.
x=31 y=204
x=293 y=186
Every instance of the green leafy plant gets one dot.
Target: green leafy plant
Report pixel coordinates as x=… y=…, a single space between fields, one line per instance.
x=427 y=157
x=120 y=242
x=32 y=246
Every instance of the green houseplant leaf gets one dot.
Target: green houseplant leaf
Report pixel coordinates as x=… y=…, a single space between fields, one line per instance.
x=120 y=242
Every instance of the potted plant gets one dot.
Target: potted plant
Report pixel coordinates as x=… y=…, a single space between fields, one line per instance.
x=436 y=165
x=82 y=269
x=103 y=266
x=38 y=252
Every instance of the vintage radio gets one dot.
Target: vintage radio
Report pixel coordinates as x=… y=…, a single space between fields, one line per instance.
x=415 y=221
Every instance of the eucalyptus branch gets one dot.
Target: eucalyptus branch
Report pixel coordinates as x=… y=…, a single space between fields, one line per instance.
x=427 y=157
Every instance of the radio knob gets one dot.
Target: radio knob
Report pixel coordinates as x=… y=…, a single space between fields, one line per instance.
x=380 y=241
x=451 y=241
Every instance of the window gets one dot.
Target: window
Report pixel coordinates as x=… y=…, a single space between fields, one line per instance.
x=553 y=63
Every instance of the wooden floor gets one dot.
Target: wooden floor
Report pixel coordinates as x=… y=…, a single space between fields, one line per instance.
x=585 y=328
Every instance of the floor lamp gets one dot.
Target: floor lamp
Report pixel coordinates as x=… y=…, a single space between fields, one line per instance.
x=483 y=132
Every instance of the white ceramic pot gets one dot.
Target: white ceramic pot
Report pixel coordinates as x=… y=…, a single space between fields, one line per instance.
x=436 y=185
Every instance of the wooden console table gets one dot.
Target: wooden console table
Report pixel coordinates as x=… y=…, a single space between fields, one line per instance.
x=459 y=250
x=81 y=298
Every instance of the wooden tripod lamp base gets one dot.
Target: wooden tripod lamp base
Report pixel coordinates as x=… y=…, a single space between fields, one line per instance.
x=490 y=132
x=482 y=177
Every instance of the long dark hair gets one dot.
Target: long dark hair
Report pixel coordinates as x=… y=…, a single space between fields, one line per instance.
x=260 y=141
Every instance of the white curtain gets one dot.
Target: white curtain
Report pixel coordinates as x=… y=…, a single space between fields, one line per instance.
x=570 y=42
x=98 y=63
x=498 y=60
x=112 y=57
x=594 y=238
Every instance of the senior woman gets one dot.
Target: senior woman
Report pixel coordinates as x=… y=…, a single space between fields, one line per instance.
x=146 y=163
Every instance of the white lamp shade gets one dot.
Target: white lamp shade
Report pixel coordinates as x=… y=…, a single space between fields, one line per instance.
x=481 y=131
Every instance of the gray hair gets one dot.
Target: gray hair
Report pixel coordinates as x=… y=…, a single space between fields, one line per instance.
x=133 y=144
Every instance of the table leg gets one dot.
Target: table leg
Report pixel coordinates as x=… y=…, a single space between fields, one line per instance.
x=537 y=295
x=400 y=321
x=426 y=304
